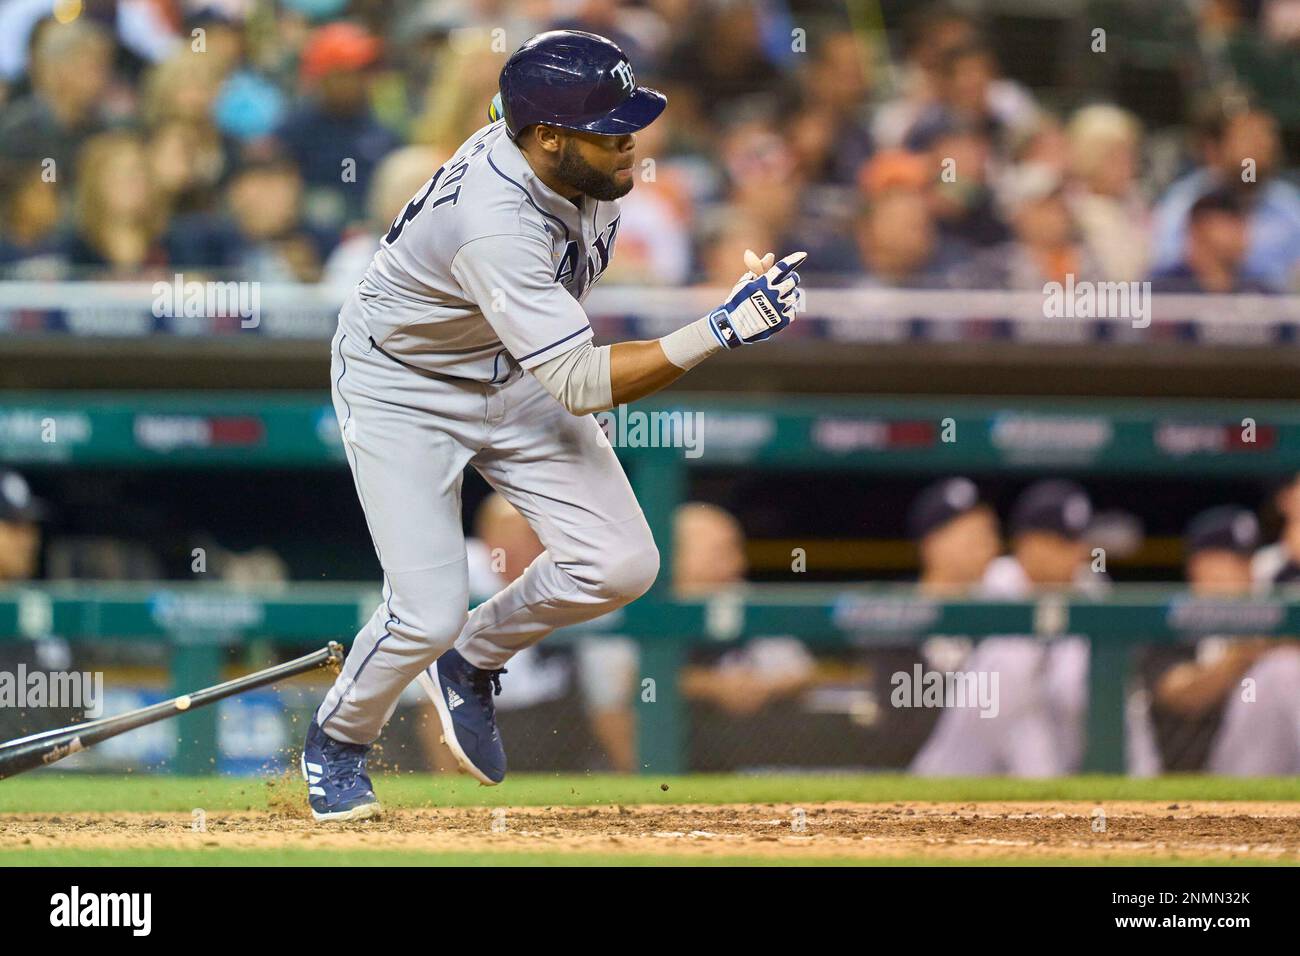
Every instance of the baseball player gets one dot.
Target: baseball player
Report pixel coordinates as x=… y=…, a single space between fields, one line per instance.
x=1259 y=732
x=466 y=344
x=956 y=535
x=20 y=532
x=1042 y=685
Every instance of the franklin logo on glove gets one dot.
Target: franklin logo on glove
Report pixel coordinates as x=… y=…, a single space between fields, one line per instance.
x=761 y=304
x=765 y=309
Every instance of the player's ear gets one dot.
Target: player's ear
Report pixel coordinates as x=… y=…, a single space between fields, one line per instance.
x=548 y=137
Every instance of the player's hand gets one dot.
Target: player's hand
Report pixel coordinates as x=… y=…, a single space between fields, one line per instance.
x=762 y=303
x=755 y=266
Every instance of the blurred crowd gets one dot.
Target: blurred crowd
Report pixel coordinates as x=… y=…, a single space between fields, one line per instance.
x=275 y=139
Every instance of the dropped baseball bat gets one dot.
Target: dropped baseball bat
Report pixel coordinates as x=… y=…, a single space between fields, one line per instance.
x=49 y=746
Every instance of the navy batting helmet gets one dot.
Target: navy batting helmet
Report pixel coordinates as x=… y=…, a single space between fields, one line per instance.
x=577 y=81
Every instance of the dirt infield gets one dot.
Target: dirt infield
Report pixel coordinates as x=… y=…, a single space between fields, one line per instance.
x=1238 y=832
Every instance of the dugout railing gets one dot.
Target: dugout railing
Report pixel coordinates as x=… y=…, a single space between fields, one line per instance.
x=185 y=309
x=200 y=622
x=142 y=335
x=680 y=432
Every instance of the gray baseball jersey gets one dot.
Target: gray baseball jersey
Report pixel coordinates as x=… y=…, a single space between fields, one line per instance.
x=480 y=277
x=1036 y=728
x=486 y=261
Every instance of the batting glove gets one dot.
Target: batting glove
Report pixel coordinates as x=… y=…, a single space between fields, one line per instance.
x=762 y=302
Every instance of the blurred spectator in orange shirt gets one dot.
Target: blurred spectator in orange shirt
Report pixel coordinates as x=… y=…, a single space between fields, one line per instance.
x=899 y=243
x=1046 y=245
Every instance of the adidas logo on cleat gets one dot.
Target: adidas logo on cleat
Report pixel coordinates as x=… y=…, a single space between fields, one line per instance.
x=454 y=699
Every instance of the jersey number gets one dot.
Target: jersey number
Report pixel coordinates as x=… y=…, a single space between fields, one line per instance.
x=445 y=194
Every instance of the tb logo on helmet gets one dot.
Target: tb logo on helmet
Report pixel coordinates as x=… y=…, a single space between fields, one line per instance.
x=624 y=72
x=574 y=80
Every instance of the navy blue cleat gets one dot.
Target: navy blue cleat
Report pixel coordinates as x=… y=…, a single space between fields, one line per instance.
x=338 y=787
x=462 y=694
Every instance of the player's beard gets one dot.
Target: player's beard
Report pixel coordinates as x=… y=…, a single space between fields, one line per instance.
x=576 y=173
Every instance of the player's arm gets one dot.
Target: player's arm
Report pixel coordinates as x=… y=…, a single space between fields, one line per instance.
x=1193 y=688
x=590 y=378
